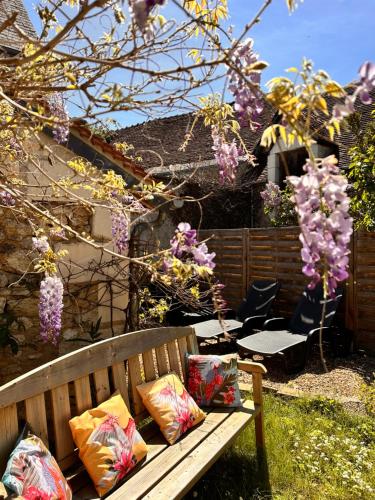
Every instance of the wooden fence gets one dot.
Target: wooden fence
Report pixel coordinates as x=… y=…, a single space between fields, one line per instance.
x=243 y=255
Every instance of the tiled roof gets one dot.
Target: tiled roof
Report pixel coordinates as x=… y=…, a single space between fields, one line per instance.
x=9 y=37
x=159 y=141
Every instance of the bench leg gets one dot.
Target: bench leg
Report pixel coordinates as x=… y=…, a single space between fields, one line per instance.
x=259 y=419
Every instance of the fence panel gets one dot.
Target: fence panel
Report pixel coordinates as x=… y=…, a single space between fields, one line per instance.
x=230 y=246
x=275 y=253
x=364 y=288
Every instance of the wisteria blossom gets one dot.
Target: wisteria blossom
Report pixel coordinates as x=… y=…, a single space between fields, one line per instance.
x=141 y=9
x=322 y=205
x=271 y=196
x=59 y=111
x=226 y=156
x=120 y=230
x=248 y=97
x=41 y=244
x=7 y=199
x=50 y=308
x=185 y=244
x=365 y=86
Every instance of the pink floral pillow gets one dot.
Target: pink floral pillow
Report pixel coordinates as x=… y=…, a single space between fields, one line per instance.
x=212 y=380
x=170 y=405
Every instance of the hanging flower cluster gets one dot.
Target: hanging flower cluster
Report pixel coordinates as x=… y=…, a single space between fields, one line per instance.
x=185 y=245
x=59 y=111
x=226 y=156
x=41 y=244
x=365 y=86
x=140 y=10
x=323 y=209
x=271 y=196
x=7 y=199
x=120 y=230
x=50 y=308
x=249 y=102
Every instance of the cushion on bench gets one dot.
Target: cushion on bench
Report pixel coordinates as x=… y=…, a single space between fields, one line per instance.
x=170 y=471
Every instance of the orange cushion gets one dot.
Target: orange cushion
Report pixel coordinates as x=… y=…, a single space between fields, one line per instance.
x=108 y=442
x=170 y=405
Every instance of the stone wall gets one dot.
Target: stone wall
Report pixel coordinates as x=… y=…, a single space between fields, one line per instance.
x=88 y=297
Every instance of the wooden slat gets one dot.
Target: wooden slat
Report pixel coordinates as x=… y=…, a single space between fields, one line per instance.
x=36 y=416
x=149 y=366
x=174 y=357
x=119 y=380
x=82 y=392
x=61 y=416
x=189 y=470
x=161 y=358
x=102 y=388
x=192 y=344
x=79 y=363
x=152 y=473
x=8 y=433
x=135 y=377
x=183 y=349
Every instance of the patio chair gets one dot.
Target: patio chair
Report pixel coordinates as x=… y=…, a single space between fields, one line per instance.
x=251 y=314
x=293 y=339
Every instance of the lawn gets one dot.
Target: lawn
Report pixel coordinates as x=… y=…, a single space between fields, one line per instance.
x=315 y=450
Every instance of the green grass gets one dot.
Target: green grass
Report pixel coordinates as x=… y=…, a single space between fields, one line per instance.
x=315 y=450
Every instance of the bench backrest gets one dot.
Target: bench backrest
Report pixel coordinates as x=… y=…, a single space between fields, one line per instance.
x=50 y=395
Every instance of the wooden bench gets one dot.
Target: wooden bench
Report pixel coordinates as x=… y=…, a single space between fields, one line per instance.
x=50 y=395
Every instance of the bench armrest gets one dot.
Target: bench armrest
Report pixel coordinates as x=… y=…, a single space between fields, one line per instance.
x=251 y=367
x=276 y=324
x=316 y=330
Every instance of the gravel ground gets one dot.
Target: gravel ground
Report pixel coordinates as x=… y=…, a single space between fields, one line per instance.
x=342 y=382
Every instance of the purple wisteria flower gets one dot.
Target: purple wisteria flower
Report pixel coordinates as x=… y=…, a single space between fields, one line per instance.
x=59 y=111
x=271 y=195
x=41 y=244
x=249 y=102
x=185 y=244
x=120 y=230
x=50 y=308
x=365 y=86
x=226 y=156
x=202 y=257
x=7 y=199
x=141 y=9
x=322 y=205
x=367 y=74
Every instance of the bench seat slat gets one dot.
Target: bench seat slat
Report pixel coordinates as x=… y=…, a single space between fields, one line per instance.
x=119 y=380
x=102 y=388
x=183 y=349
x=61 y=416
x=145 y=479
x=149 y=367
x=36 y=416
x=173 y=357
x=162 y=361
x=83 y=394
x=179 y=481
x=8 y=433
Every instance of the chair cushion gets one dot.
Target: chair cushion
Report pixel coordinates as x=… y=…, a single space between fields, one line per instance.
x=212 y=380
x=170 y=405
x=108 y=442
x=32 y=471
x=271 y=342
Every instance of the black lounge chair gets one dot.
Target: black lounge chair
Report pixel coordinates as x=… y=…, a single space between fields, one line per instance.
x=251 y=314
x=293 y=339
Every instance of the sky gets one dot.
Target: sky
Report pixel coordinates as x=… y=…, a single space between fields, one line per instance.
x=337 y=35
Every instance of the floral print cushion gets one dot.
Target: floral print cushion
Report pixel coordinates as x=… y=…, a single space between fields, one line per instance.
x=108 y=442
x=212 y=380
x=33 y=473
x=170 y=405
